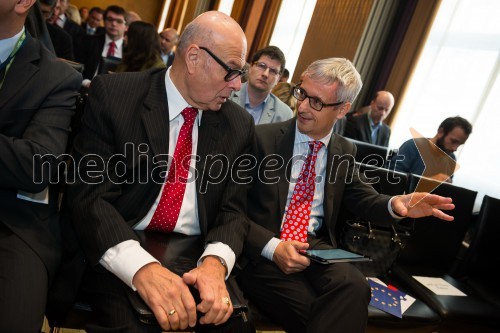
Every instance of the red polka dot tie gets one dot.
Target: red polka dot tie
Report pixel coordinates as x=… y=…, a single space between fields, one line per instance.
x=167 y=212
x=299 y=209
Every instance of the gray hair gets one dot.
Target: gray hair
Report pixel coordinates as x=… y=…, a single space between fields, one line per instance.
x=340 y=70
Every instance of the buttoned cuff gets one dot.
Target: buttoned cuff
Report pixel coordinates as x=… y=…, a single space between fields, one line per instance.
x=125 y=259
x=268 y=250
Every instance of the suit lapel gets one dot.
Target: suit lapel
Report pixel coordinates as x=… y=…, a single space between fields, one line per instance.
x=155 y=115
x=209 y=134
x=334 y=148
x=284 y=142
x=366 y=128
x=21 y=70
x=268 y=112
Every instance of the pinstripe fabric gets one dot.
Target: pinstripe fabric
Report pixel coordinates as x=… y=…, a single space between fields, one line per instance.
x=131 y=109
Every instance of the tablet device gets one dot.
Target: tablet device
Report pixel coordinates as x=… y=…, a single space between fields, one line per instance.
x=334 y=255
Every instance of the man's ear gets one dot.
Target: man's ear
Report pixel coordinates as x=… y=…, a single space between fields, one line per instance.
x=192 y=57
x=23 y=6
x=440 y=133
x=344 y=109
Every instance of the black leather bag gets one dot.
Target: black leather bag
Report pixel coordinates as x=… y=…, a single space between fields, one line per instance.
x=382 y=245
x=179 y=253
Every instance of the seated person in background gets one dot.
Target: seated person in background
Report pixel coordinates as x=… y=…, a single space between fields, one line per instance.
x=132 y=16
x=61 y=40
x=109 y=44
x=142 y=50
x=93 y=24
x=452 y=133
x=300 y=295
x=285 y=76
x=168 y=40
x=255 y=95
x=283 y=90
x=369 y=127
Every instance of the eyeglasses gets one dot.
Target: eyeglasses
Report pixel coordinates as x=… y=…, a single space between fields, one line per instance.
x=231 y=73
x=300 y=94
x=262 y=67
x=117 y=20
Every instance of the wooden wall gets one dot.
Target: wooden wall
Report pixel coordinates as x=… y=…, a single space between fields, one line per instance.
x=149 y=10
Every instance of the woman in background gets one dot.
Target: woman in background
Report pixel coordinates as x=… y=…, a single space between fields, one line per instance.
x=142 y=50
x=283 y=90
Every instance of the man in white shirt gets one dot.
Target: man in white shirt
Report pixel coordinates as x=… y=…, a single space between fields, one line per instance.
x=109 y=44
x=149 y=112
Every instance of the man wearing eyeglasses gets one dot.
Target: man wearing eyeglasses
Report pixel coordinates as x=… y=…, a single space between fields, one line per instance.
x=163 y=137
x=109 y=44
x=255 y=96
x=369 y=127
x=306 y=174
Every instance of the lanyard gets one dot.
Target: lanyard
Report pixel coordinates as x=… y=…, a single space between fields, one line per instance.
x=4 y=66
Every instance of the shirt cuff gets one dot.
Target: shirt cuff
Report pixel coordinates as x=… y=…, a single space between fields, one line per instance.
x=220 y=250
x=393 y=214
x=268 y=250
x=125 y=259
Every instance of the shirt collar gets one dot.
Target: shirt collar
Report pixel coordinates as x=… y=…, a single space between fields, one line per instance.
x=7 y=45
x=247 y=99
x=372 y=124
x=303 y=138
x=118 y=42
x=176 y=103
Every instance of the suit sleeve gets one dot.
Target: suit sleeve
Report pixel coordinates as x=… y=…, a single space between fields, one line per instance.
x=97 y=222
x=45 y=136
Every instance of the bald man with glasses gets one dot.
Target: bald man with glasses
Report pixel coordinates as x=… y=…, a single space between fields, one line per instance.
x=266 y=67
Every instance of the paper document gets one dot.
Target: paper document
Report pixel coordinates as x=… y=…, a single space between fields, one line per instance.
x=439 y=286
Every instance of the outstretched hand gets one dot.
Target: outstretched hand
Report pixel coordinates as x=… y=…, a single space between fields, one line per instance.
x=420 y=204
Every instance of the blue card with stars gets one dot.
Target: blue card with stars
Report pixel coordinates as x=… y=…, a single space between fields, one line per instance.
x=386 y=299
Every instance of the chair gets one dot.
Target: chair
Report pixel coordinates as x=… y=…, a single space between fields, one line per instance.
x=480 y=260
x=371 y=154
x=431 y=252
x=383 y=180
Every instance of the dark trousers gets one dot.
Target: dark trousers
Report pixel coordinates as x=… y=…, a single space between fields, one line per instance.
x=322 y=298
x=23 y=285
x=114 y=313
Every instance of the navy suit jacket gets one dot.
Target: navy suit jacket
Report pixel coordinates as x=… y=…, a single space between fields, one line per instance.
x=358 y=128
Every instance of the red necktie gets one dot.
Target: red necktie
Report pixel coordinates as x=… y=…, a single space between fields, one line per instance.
x=167 y=212
x=111 y=50
x=299 y=209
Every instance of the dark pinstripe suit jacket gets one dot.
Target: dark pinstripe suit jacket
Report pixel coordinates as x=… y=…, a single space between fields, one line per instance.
x=125 y=125
x=266 y=204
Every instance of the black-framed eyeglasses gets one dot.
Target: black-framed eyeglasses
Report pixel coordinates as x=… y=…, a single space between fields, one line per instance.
x=300 y=94
x=117 y=20
x=231 y=72
x=263 y=67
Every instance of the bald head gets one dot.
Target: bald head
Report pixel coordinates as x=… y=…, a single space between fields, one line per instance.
x=212 y=27
x=168 y=39
x=209 y=58
x=381 y=106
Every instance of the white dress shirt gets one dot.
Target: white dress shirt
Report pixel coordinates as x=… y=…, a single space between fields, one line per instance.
x=126 y=258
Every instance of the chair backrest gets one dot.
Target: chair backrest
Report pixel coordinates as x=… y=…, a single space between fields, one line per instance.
x=108 y=65
x=481 y=258
x=383 y=180
x=434 y=243
x=368 y=153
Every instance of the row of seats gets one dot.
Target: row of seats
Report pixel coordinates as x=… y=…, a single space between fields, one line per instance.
x=435 y=249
